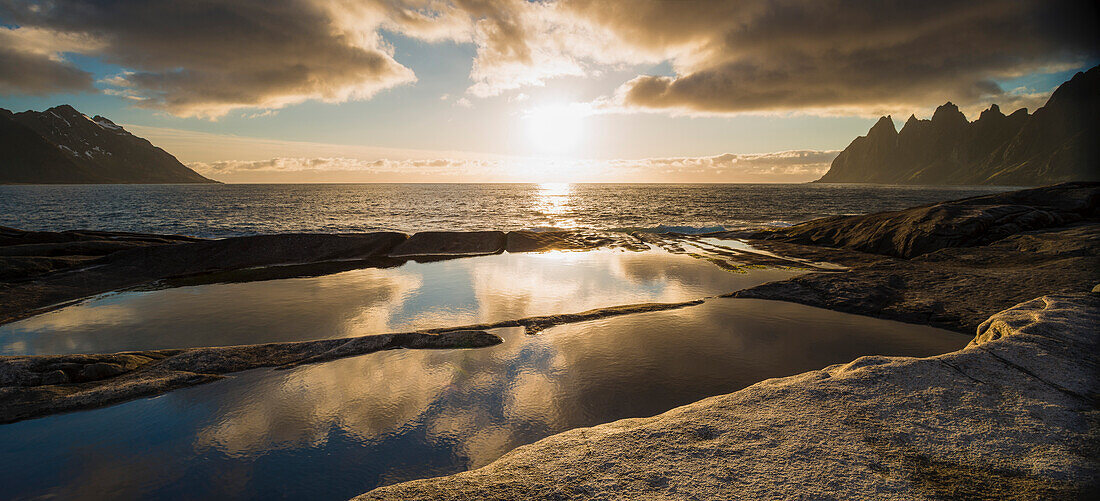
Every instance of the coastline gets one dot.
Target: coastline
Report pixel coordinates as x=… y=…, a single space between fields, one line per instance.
x=953 y=265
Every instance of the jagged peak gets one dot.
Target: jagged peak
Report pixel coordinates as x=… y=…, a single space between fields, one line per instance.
x=993 y=113
x=883 y=125
x=948 y=113
x=1022 y=112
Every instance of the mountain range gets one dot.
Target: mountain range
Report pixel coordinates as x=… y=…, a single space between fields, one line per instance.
x=63 y=146
x=1058 y=143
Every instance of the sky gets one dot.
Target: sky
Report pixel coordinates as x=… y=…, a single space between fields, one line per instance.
x=529 y=91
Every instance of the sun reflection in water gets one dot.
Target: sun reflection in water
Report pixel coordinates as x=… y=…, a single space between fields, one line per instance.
x=553 y=203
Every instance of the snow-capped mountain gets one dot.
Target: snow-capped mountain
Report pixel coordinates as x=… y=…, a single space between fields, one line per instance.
x=62 y=145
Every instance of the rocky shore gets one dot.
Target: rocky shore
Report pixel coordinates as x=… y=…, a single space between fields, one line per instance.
x=1013 y=415
x=950 y=264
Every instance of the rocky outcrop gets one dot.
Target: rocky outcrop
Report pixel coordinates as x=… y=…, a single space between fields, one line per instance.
x=1056 y=144
x=952 y=288
x=949 y=264
x=534 y=325
x=32 y=386
x=536 y=241
x=960 y=223
x=1012 y=416
x=450 y=243
x=62 y=145
x=160 y=260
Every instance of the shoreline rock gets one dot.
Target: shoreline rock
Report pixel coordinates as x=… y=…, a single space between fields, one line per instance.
x=950 y=264
x=39 y=272
x=1014 y=415
x=39 y=385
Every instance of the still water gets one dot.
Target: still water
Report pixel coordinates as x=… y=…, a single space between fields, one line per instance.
x=373 y=301
x=337 y=429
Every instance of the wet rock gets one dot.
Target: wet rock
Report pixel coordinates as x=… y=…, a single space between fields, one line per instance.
x=1023 y=404
x=535 y=241
x=534 y=325
x=450 y=243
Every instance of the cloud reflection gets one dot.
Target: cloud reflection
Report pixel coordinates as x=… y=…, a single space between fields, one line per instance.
x=372 y=301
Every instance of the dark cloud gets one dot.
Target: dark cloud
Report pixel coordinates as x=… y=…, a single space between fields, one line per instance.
x=205 y=57
x=24 y=72
x=787 y=55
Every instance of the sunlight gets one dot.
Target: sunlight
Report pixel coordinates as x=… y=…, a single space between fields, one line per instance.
x=553 y=203
x=555 y=129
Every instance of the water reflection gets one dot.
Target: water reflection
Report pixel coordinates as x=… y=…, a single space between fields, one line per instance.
x=372 y=300
x=333 y=430
x=552 y=201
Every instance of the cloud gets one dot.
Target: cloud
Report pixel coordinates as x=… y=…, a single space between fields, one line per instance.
x=777 y=55
x=32 y=63
x=784 y=166
x=380 y=166
x=205 y=58
x=854 y=57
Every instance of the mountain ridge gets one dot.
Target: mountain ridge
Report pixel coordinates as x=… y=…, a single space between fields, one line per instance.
x=1055 y=144
x=63 y=146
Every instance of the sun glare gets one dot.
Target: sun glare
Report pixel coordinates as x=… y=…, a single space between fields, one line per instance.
x=554 y=129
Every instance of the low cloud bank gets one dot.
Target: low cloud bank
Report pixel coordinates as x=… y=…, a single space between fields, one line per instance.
x=785 y=166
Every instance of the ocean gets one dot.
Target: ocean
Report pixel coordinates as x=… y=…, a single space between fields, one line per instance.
x=248 y=209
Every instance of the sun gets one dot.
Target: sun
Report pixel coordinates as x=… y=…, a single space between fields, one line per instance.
x=555 y=129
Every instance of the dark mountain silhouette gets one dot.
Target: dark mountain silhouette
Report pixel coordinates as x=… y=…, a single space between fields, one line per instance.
x=1058 y=143
x=62 y=145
